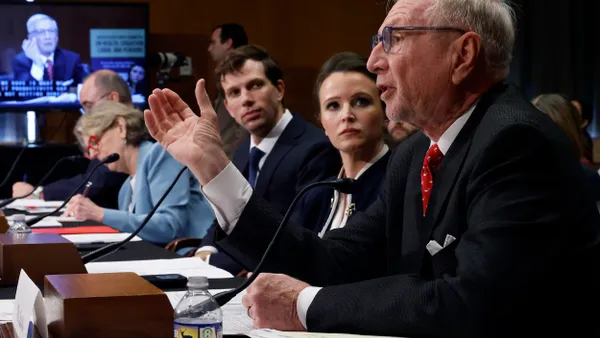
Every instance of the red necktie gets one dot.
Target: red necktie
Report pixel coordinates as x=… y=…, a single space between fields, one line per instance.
x=431 y=164
x=50 y=70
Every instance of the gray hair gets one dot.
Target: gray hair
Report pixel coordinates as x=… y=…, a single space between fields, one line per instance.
x=104 y=115
x=493 y=20
x=35 y=19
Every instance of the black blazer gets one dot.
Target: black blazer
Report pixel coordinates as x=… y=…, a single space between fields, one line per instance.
x=67 y=65
x=525 y=261
x=314 y=208
x=302 y=155
x=104 y=190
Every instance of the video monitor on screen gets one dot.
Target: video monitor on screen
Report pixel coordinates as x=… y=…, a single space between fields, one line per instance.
x=47 y=50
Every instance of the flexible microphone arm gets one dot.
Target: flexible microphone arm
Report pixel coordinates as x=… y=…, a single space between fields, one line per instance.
x=343 y=185
x=108 y=159
x=112 y=247
x=12 y=199
x=12 y=168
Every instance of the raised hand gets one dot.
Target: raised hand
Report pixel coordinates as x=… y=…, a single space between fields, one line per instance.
x=192 y=140
x=31 y=50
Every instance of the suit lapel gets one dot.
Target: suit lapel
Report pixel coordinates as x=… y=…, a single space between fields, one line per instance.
x=284 y=144
x=453 y=162
x=414 y=235
x=240 y=159
x=58 y=65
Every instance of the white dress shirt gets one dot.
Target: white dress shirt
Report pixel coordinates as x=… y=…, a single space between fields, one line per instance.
x=37 y=71
x=218 y=191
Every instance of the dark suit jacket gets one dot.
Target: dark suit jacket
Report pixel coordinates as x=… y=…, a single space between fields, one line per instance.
x=104 y=190
x=302 y=155
x=525 y=261
x=67 y=65
x=314 y=208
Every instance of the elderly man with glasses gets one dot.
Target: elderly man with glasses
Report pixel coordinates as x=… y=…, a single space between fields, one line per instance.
x=41 y=58
x=484 y=226
x=101 y=85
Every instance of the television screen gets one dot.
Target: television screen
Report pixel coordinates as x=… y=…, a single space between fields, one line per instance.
x=46 y=50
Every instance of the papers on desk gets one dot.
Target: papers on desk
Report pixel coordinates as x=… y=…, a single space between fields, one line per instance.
x=191 y=266
x=34 y=203
x=6 y=310
x=235 y=316
x=100 y=238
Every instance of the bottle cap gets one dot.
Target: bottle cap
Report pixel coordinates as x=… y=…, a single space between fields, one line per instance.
x=18 y=218
x=198 y=282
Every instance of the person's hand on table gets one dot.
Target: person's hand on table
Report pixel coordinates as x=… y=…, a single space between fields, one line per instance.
x=21 y=189
x=84 y=209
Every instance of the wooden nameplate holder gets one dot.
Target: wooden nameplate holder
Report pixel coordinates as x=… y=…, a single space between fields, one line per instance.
x=106 y=305
x=38 y=255
x=3 y=224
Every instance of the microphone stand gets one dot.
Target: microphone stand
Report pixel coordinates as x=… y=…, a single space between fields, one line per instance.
x=110 y=248
x=109 y=159
x=344 y=185
x=12 y=199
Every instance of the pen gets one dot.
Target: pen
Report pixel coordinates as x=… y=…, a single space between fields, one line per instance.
x=25 y=178
x=87 y=188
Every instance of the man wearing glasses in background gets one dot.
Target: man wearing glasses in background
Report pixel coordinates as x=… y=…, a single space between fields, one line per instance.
x=101 y=85
x=41 y=59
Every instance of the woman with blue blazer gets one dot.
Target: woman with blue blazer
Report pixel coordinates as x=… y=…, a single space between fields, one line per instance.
x=112 y=127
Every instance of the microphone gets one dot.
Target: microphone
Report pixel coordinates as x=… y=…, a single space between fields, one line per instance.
x=12 y=168
x=344 y=185
x=108 y=159
x=10 y=200
x=112 y=247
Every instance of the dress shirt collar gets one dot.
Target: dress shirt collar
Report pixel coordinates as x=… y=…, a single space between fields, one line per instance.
x=45 y=59
x=450 y=134
x=267 y=144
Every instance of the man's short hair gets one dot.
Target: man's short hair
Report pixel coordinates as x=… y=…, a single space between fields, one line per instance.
x=235 y=32
x=35 y=18
x=235 y=60
x=112 y=81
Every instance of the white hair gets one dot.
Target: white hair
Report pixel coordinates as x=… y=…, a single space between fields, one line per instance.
x=35 y=19
x=493 y=20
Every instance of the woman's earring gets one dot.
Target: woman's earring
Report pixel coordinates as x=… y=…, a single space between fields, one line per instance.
x=124 y=141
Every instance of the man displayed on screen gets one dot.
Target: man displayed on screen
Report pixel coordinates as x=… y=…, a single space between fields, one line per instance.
x=41 y=59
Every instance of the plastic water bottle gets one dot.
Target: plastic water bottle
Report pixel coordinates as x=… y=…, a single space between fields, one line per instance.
x=198 y=314
x=18 y=225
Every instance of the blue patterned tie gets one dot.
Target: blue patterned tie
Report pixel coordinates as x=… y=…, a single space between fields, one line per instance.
x=255 y=156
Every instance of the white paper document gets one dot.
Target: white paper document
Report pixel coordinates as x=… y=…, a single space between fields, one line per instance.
x=100 y=238
x=6 y=310
x=188 y=267
x=269 y=333
x=235 y=315
x=29 y=309
x=34 y=203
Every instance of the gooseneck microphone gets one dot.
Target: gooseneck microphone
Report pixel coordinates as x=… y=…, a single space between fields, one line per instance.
x=14 y=165
x=10 y=200
x=108 y=159
x=343 y=185
x=112 y=247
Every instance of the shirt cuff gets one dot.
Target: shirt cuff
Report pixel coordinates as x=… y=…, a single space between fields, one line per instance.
x=305 y=298
x=37 y=71
x=228 y=193
x=212 y=249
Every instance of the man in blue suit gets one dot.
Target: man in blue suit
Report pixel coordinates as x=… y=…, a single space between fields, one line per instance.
x=41 y=59
x=284 y=152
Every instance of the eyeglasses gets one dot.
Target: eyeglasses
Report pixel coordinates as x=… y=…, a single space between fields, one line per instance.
x=93 y=144
x=50 y=31
x=391 y=42
x=87 y=105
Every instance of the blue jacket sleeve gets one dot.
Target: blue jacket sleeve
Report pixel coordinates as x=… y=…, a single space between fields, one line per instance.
x=172 y=216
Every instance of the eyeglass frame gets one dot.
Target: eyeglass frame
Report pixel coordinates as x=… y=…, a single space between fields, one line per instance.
x=96 y=140
x=44 y=31
x=377 y=38
x=90 y=104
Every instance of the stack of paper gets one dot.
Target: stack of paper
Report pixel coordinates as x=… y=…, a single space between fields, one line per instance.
x=50 y=221
x=190 y=266
x=100 y=238
x=34 y=206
